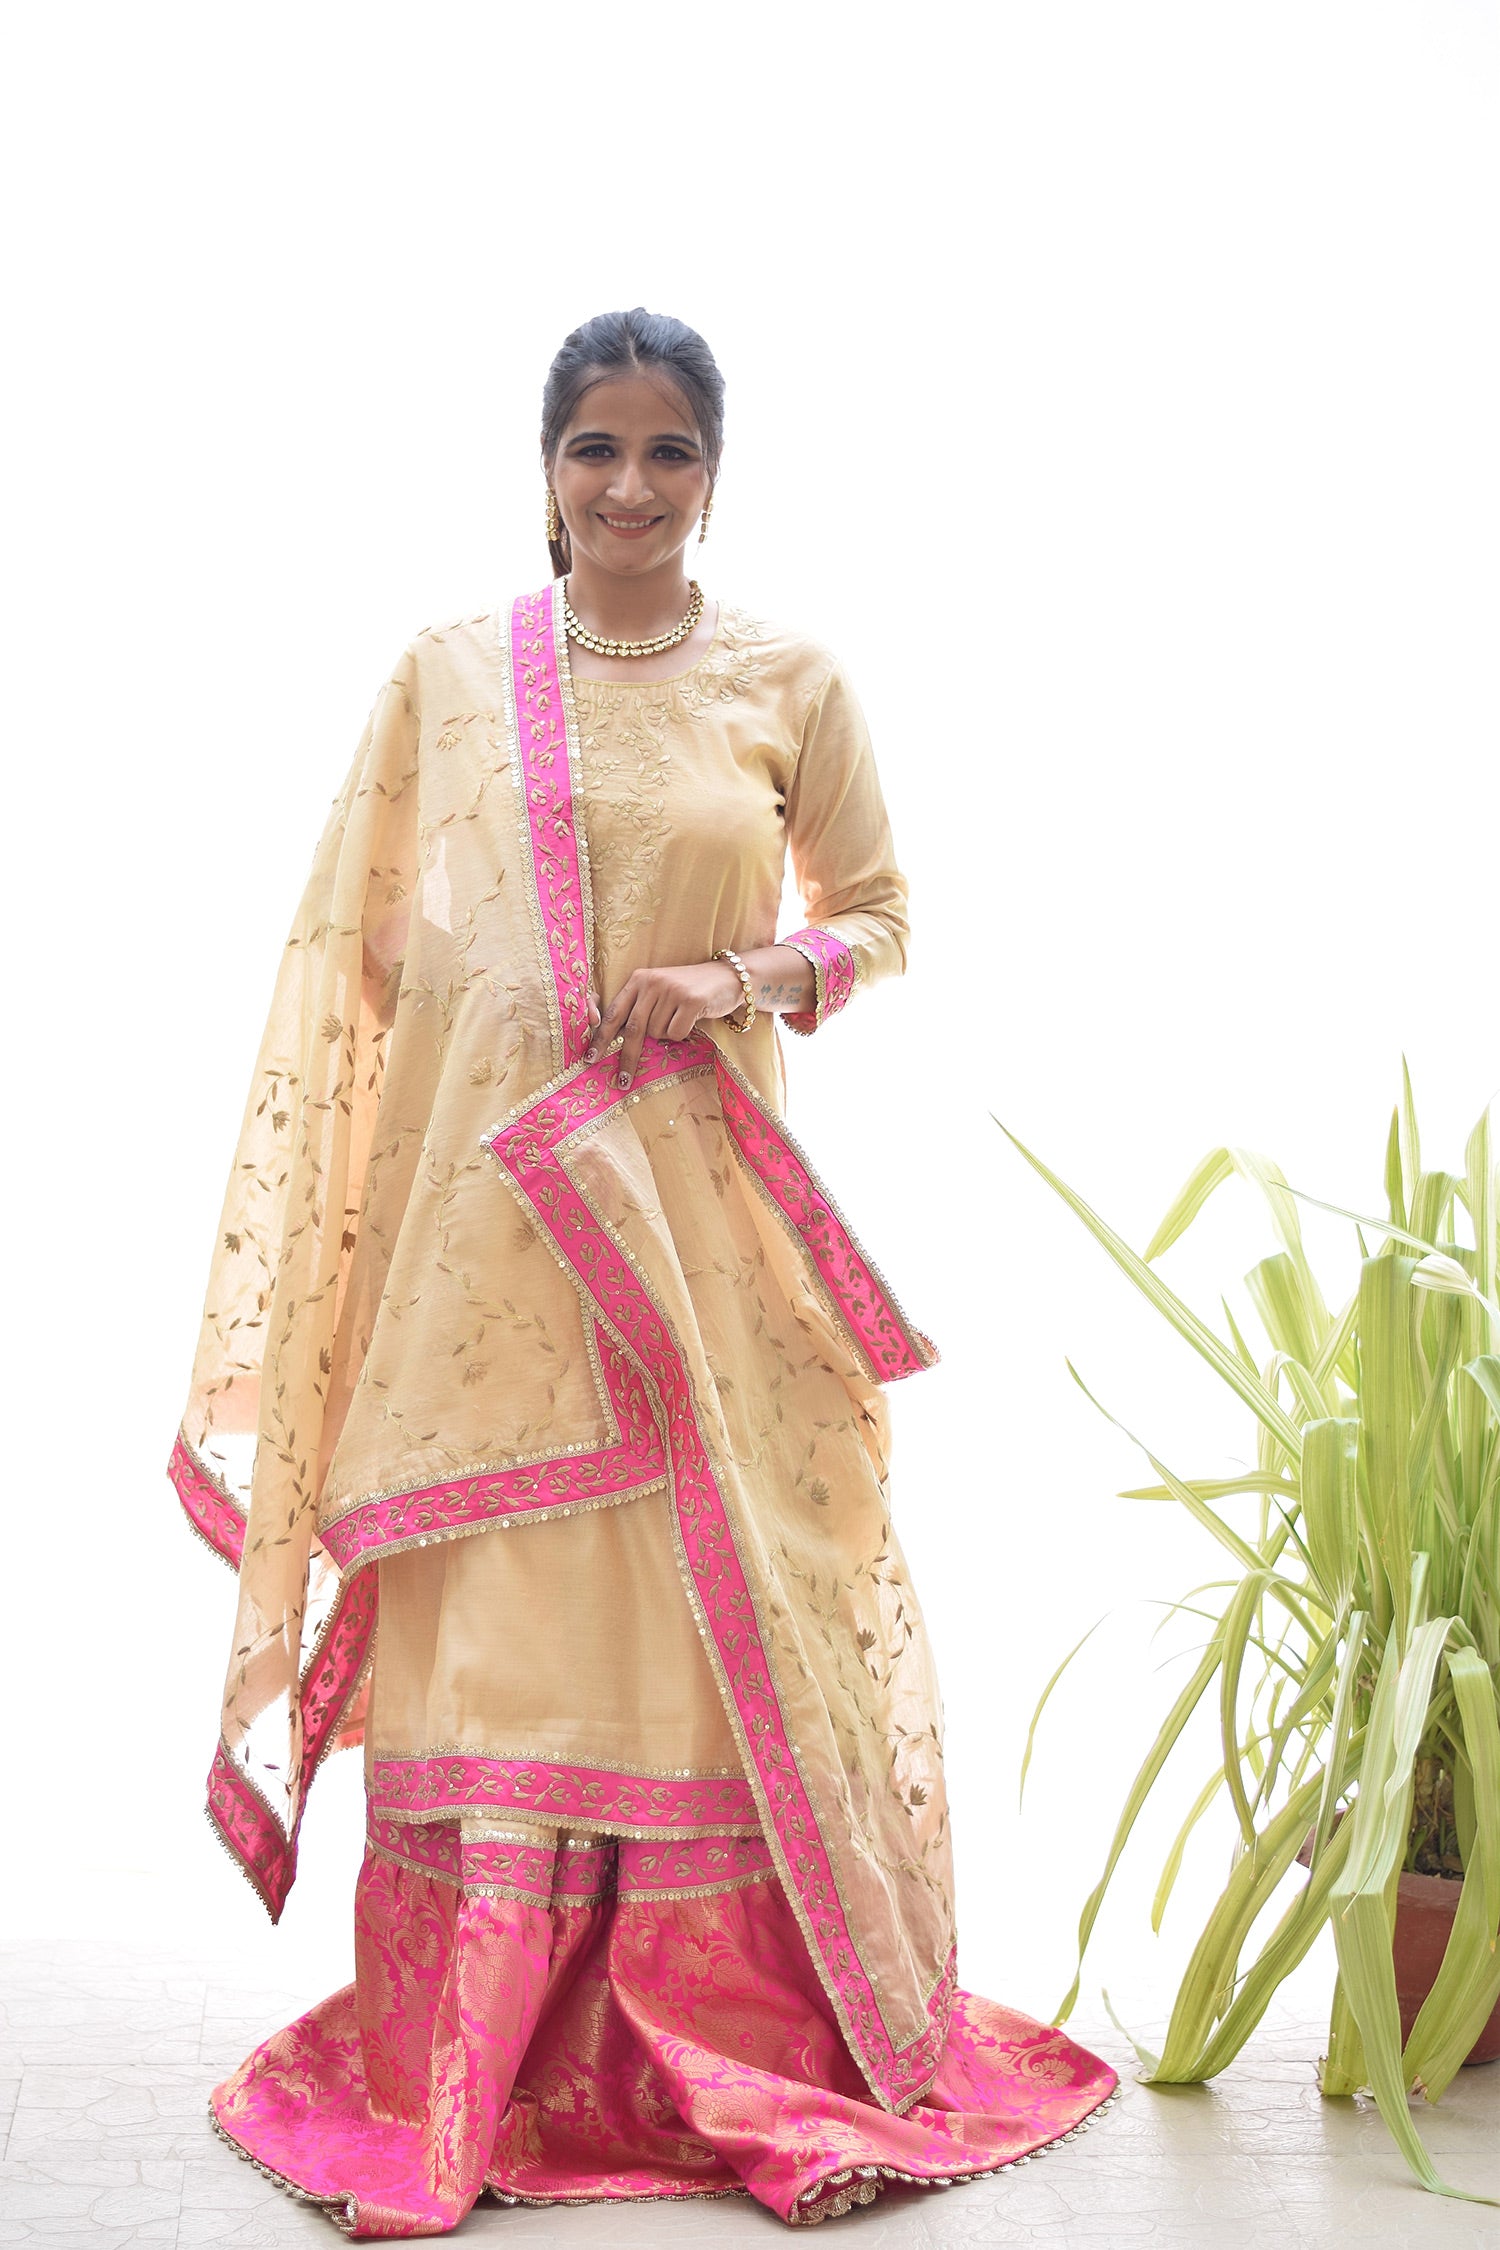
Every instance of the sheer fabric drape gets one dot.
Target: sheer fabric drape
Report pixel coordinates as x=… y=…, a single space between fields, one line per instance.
x=545 y=1426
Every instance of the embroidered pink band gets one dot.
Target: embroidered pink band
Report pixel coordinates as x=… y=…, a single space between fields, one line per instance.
x=835 y=971
x=581 y=1796
x=563 y=1484
x=532 y=1146
x=544 y=776
x=209 y=1509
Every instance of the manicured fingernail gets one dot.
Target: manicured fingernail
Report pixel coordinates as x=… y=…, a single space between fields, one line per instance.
x=622 y=1078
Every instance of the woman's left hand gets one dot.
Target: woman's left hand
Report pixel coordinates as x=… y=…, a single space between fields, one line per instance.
x=661 y=1003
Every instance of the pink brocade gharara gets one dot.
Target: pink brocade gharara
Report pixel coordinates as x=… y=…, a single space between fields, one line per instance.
x=580 y=2033
x=657 y=1895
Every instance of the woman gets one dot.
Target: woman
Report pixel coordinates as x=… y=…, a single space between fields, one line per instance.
x=532 y=1336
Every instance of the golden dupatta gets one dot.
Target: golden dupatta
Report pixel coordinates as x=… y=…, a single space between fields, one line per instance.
x=331 y=1420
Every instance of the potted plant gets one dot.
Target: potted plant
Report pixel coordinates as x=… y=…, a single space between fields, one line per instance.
x=1355 y=1646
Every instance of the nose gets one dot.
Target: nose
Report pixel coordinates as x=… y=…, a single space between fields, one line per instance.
x=630 y=487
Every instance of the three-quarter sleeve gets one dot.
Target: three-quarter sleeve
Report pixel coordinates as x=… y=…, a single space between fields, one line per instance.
x=843 y=857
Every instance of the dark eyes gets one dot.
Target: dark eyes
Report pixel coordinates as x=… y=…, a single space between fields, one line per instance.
x=663 y=452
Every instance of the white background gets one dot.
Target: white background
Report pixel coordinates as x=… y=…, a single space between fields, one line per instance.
x=1114 y=388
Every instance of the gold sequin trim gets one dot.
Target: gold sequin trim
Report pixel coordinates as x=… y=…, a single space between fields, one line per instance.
x=820 y=981
x=483 y=1833
x=636 y=1832
x=580 y=2202
x=516 y=1520
x=340 y=2208
x=651 y=1897
x=573 y=1762
x=576 y=783
x=613 y=1436
x=535 y=1896
x=523 y=817
x=865 y=2180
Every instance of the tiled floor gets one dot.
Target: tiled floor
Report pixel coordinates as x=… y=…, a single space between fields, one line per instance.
x=107 y=2057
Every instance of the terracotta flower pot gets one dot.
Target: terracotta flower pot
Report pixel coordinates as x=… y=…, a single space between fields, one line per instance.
x=1425 y=1907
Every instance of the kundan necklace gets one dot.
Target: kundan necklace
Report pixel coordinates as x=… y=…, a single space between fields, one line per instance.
x=602 y=646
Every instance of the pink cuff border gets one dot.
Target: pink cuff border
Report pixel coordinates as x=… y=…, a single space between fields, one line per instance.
x=834 y=972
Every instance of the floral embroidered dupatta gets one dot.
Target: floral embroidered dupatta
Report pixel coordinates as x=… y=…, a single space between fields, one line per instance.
x=421 y=1129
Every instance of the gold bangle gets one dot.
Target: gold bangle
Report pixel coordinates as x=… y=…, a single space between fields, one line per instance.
x=725 y=954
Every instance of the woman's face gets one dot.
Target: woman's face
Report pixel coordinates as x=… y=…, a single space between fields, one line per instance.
x=629 y=474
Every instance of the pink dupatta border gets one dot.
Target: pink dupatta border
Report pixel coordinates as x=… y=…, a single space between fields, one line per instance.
x=546 y=767
x=561 y=1484
x=218 y=1520
x=530 y=1145
x=247 y=1825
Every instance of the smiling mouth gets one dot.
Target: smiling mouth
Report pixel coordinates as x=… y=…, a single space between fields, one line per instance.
x=628 y=523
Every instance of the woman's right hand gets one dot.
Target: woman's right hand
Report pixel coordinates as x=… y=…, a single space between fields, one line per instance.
x=662 y=1003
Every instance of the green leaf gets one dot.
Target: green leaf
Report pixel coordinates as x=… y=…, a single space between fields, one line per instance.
x=1277 y=1294
x=1140 y=1789
x=1238 y=1618
x=1215 y=1488
x=1330 y=1455
x=1340 y=1756
x=1411 y=1142
x=1215 y=1958
x=1485 y=1371
x=1188 y=1325
x=1042 y=1701
x=1468 y=1980
x=1288 y=1943
x=1432 y=1201
x=1483 y=1207
x=1172 y=1865
x=1242 y=1349
x=1143 y=2054
x=1312 y=1692
x=1198 y=1509
x=1212 y=1172
x=1362 y=1219
x=1385 y=1429
x=1335 y=1348
x=1271 y=1181
x=1395 y=1188
x=1362 y=1936
x=1342 y=2070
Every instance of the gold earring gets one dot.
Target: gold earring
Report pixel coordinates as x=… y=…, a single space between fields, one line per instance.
x=708 y=509
x=554 y=521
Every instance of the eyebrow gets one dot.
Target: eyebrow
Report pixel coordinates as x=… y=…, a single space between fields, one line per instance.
x=663 y=437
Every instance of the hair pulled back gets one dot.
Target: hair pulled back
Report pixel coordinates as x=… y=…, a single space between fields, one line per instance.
x=632 y=343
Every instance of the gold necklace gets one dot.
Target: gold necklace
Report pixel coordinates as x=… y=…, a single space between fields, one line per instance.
x=603 y=646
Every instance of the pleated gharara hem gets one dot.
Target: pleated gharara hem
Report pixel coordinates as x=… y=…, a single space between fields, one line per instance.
x=578 y=2020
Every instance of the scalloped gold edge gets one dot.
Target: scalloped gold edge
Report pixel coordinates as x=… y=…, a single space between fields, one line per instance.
x=865 y=2180
x=342 y=2209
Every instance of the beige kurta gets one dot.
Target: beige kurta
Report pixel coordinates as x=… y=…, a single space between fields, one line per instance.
x=575 y=1641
